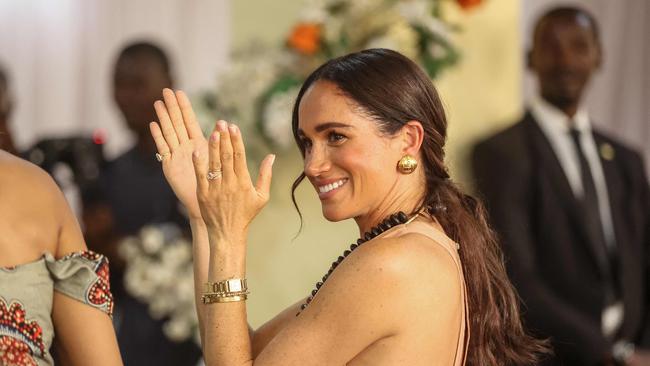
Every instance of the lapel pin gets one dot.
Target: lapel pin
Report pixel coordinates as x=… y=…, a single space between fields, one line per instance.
x=607 y=151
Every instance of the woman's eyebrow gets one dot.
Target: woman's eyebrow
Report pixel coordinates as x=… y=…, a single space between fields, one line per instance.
x=327 y=125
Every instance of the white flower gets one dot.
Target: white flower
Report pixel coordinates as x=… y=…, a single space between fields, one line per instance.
x=400 y=37
x=137 y=278
x=129 y=248
x=152 y=239
x=176 y=254
x=276 y=117
x=418 y=12
x=177 y=330
x=315 y=11
x=159 y=274
x=437 y=50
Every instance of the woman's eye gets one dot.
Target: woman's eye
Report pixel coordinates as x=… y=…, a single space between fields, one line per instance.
x=334 y=137
x=306 y=144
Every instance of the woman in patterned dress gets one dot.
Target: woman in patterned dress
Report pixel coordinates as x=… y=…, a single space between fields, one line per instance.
x=54 y=293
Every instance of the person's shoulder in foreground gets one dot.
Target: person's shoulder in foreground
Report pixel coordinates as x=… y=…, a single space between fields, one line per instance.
x=30 y=199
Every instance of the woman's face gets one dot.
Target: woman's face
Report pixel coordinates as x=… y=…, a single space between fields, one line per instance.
x=349 y=163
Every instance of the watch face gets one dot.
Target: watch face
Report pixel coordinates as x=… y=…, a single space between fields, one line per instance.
x=234 y=286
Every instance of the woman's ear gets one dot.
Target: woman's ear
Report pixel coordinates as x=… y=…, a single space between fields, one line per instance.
x=412 y=135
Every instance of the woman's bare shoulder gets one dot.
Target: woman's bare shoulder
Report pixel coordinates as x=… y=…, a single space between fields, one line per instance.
x=19 y=175
x=31 y=210
x=411 y=266
x=411 y=254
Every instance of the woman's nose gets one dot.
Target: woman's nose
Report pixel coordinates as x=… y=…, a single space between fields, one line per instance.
x=316 y=162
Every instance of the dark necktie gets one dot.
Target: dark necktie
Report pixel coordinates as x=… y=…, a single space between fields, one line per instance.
x=591 y=212
x=589 y=194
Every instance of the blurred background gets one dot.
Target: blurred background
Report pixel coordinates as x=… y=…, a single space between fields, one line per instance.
x=60 y=59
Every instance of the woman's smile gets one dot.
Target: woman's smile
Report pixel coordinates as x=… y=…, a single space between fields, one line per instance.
x=328 y=189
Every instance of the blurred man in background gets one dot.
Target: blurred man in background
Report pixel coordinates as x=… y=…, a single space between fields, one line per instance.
x=135 y=194
x=6 y=105
x=572 y=207
x=137 y=189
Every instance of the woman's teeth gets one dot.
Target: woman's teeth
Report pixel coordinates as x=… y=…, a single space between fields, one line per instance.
x=328 y=187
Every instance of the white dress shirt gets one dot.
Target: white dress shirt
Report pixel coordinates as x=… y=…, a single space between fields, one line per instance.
x=556 y=126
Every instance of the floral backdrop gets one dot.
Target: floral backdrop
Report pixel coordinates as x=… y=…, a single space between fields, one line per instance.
x=258 y=89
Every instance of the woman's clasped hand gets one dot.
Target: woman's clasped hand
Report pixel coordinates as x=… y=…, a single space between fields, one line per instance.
x=214 y=184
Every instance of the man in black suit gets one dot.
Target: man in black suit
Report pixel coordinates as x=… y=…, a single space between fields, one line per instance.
x=572 y=208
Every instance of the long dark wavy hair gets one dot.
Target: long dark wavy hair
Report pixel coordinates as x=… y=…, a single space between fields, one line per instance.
x=393 y=90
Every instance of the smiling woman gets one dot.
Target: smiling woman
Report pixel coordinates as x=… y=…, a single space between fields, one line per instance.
x=426 y=274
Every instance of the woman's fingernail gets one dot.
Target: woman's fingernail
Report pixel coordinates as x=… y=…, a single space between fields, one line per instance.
x=222 y=125
x=196 y=153
x=233 y=128
x=214 y=137
x=272 y=159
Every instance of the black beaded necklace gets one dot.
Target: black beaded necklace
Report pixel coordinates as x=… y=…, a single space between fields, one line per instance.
x=391 y=221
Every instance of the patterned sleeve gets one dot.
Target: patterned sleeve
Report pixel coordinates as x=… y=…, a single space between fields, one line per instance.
x=84 y=276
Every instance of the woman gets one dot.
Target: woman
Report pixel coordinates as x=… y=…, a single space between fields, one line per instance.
x=425 y=284
x=51 y=286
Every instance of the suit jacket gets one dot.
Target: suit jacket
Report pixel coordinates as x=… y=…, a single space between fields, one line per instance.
x=551 y=254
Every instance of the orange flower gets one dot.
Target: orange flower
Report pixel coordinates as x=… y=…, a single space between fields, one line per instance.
x=305 y=38
x=466 y=4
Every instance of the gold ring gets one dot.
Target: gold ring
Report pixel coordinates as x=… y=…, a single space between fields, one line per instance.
x=160 y=157
x=214 y=174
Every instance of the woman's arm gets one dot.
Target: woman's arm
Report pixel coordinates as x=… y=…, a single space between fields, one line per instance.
x=84 y=334
x=179 y=172
x=177 y=136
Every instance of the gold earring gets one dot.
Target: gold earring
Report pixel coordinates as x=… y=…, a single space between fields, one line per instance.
x=407 y=164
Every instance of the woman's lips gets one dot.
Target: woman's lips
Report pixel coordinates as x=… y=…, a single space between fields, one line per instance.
x=328 y=190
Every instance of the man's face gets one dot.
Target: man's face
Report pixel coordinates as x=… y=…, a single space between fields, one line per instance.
x=564 y=55
x=137 y=83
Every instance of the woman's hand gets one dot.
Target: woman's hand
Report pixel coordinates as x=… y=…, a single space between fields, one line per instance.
x=177 y=137
x=227 y=197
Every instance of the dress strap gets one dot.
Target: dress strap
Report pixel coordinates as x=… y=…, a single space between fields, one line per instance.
x=452 y=248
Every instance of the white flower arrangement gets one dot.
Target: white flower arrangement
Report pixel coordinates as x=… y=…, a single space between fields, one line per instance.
x=258 y=89
x=159 y=273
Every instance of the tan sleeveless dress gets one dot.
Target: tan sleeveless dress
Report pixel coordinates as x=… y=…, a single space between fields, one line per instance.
x=452 y=248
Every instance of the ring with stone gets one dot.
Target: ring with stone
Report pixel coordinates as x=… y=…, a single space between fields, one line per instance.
x=160 y=157
x=214 y=174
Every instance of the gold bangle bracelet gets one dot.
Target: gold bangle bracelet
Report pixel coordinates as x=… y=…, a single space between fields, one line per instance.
x=212 y=298
x=226 y=294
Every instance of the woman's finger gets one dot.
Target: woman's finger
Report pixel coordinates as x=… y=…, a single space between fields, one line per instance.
x=239 y=154
x=191 y=123
x=201 y=173
x=161 y=144
x=214 y=171
x=263 y=184
x=175 y=115
x=166 y=125
x=225 y=151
